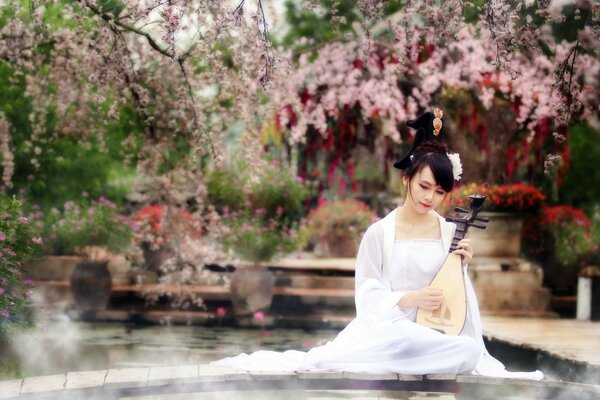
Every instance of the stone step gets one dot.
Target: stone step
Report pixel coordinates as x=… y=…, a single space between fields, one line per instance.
x=520 y=313
x=287 y=279
x=526 y=298
x=502 y=279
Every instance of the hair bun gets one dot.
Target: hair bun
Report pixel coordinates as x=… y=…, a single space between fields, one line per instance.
x=432 y=147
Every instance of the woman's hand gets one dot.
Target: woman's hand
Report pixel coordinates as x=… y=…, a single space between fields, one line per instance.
x=465 y=249
x=427 y=298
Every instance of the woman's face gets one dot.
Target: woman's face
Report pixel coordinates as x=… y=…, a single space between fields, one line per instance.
x=424 y=194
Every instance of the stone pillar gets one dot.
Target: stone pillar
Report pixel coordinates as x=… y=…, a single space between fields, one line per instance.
x=584 y=298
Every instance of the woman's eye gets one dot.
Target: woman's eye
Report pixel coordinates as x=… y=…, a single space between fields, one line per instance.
x=440 y=192
x=424 y=186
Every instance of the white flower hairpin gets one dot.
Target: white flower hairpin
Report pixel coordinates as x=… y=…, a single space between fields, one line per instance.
x=456 y=165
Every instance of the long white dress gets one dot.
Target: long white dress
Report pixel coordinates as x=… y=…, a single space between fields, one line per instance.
x=384 y=338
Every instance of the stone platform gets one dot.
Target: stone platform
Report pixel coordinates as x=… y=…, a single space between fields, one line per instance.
x=138 y=382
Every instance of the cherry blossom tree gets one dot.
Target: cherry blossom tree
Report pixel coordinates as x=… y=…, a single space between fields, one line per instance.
x=196 y=72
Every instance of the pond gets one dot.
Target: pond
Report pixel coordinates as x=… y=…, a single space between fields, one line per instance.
x=63 y=346
x=75 y=346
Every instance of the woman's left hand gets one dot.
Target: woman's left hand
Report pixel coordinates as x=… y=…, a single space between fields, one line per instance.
x=465 y=249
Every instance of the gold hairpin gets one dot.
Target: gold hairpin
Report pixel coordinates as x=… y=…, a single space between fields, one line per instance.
x=437 y=122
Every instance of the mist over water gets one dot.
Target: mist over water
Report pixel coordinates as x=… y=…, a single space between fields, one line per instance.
x=64 y=346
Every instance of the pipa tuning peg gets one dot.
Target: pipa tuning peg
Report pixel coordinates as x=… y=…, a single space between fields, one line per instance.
x=460 y=210
x=477 y=226
x=482 y=219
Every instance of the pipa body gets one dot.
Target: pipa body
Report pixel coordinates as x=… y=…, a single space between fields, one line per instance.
x=450 y=317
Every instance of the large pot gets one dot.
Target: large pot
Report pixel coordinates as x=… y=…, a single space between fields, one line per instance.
x=251 y=289
x=91 y=284
x=155 y=258
x=501 y=238
x=344 y=247
x=52 y=268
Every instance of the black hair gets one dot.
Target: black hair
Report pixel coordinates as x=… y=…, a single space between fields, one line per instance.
x=434 y=155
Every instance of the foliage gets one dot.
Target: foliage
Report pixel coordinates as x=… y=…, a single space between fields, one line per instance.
x=592 y=257
x=261 y=208
x=271 y=188
x=581 y=182
x=41 y=166
x=86 y=223
x=516 y=197
x=340 y=218
x=17 y=245
x=256 y=237
x=562 y=231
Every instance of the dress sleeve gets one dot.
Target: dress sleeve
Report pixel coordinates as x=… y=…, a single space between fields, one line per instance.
x=373 y=297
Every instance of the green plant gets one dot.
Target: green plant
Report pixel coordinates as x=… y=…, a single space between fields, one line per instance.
x=273 y=190
x=340 y=218
x=257 y=238
x=514 y=197
x=17 y=244
x=261 y=208
x=563 y=231
x=86 y=223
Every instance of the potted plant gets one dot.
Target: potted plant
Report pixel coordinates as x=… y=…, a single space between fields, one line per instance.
x=90 y=229
x=507 y=207
x=260 y=210
x=562 y=240
x=588 y=285
x=338 y=225
x=18 y=244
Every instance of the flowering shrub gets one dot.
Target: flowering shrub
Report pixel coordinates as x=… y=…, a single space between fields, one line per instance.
x=154 y=222
x=17 y=244
x=86 y=223
x=564 y=230
x=340 y=218
x=272 y=190
x=261 y=208
x=516 y=197
x=258 y=238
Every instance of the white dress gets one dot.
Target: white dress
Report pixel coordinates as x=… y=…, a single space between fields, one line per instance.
x=384 y=338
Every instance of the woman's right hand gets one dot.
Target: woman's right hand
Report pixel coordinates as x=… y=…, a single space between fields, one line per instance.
x=427 y=298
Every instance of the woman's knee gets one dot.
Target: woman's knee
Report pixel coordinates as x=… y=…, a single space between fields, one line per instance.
x=471 y=353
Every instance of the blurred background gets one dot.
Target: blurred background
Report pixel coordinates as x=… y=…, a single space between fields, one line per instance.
x=149 y=149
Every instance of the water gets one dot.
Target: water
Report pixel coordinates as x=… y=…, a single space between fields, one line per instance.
x=75 y=346
x=65 y=346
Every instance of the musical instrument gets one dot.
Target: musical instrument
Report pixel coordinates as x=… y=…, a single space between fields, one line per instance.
x=450 y=317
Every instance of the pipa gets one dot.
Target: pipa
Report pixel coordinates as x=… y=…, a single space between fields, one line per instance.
x=449 y=318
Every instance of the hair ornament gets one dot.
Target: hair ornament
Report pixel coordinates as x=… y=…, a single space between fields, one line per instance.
x=456 y=165
x=437 y=122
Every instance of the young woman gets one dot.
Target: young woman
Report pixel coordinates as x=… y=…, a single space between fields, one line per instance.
x=398 y=257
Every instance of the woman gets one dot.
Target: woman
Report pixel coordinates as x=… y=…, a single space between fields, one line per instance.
x=398 y=257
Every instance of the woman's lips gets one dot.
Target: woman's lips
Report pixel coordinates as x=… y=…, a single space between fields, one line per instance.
x=425 y=205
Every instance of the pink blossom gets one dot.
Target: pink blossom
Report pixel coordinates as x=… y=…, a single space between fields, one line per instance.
x=259 y=316
x=9 y=251
x=30 y=177
x=28 y=282
x=29 y=293
x=221 y=312
x=1 y=291
x=107 y=202
x=5 y=313
x=23 y=220
x=37 y=240
x=2 y=237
